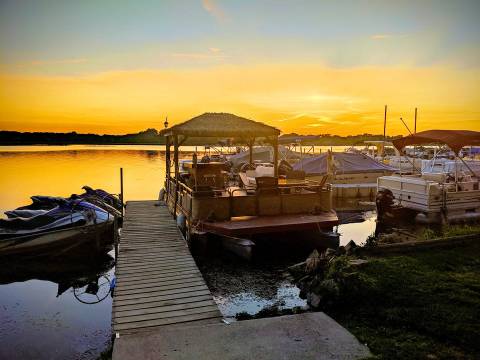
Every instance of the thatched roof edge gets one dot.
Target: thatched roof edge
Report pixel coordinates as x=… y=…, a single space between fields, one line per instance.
x=221 y=125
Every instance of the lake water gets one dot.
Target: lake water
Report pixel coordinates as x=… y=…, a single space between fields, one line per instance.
x=42 y=315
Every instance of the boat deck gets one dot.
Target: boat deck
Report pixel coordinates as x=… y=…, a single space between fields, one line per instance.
x=157 y=280
x=247 y=225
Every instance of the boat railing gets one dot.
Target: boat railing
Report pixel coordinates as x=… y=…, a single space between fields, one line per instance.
x=181 y=197
x=310 y=185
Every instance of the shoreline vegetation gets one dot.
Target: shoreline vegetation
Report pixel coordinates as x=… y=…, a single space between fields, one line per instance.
x=407 y=304
x=155 y=137
x=424 y=304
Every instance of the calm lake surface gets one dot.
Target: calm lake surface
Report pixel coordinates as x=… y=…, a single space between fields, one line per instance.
x=42 y=315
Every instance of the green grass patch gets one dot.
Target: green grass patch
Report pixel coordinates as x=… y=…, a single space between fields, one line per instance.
x=449 y=230
x=420 y=306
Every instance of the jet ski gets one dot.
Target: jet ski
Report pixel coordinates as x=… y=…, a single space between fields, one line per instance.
x=50 y=221
x=103 y=197
x=98 y=197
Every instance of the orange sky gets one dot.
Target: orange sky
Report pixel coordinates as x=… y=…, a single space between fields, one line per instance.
x=67 y=67
x=295 y=98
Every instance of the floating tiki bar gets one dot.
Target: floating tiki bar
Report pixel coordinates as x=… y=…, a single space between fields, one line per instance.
x=206 y=197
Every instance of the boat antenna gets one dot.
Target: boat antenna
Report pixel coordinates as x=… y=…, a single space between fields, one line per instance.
x=415 y=131
x=384 y=130
x=415 y=126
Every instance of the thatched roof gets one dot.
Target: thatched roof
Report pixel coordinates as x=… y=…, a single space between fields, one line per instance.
x=222 y=125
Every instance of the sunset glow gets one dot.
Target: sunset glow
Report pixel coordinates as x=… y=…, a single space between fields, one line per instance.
x=289 y=64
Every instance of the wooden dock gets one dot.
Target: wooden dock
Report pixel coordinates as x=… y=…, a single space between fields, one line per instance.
x=157 y=280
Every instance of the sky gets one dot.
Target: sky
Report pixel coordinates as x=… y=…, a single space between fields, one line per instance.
x=310 y=67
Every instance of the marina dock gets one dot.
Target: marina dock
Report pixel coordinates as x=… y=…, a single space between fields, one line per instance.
x=157 y=280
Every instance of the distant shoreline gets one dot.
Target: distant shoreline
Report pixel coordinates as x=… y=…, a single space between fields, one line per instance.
x=154 y=137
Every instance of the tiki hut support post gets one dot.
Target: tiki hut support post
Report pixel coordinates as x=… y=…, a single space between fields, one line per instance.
x=275 y=156
x=177 y=173
x=250 y=150
x=167 y=163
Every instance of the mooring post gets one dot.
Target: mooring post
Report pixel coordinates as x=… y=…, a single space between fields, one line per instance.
x=115 y=236
x=121 y=188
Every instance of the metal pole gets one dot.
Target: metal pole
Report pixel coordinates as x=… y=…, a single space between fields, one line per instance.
x=384 y=130
x=121 y=188
x=415 y=126
x=468 y=167
x=415 y=131
x=456 y=173
x=401 y=119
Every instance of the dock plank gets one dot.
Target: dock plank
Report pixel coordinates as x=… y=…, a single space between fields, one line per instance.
x=158 y=282
x=140 y=325
x=141 y=301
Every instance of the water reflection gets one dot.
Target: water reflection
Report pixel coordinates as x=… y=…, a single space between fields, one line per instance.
x=249 y=287
x=55 y=309
x=287 y=296
x=66 y=273
x=61 y=173
x=356 y=226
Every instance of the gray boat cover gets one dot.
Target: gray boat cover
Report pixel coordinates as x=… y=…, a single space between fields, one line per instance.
x=262 y=154
x=343 y=163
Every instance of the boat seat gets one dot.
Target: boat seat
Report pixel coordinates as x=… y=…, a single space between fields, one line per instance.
x=296 y=174
x=24 y=213
x=245 y=183
x=267 y=185
x=26 y=223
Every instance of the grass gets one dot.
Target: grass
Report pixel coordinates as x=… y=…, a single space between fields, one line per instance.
x=421 y=306
x=450 y=230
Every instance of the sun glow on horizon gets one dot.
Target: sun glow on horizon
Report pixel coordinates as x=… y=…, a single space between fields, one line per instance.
x=306 y=99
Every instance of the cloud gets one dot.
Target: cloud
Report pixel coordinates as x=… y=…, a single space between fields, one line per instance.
x=199 y=56
x=213 y=9
x=387 y=36
x=380 y=36
x=55 y=62
x=214 y=50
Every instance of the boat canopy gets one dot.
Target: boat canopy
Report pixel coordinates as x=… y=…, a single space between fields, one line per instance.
x=346 y=163
x=454 y=139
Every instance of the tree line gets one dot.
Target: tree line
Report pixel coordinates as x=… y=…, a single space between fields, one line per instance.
x=154 y=137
